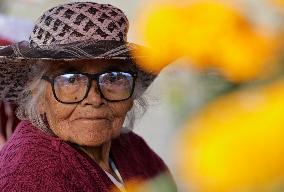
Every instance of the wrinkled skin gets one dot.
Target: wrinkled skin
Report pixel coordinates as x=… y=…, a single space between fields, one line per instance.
x=92 y=122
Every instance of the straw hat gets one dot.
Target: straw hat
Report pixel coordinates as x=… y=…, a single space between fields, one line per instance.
x=68 y=32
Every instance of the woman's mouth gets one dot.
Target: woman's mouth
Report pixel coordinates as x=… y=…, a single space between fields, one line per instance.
x=92 y=119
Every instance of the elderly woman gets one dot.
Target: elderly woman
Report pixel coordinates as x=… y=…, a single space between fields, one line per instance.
x=76 y=85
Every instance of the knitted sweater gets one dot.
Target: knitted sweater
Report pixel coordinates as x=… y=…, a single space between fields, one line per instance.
x=35 y=161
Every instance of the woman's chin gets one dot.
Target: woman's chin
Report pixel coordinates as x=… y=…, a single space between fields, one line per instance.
x=90 y=133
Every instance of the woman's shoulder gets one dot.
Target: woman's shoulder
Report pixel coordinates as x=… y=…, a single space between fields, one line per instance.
x=130 y=137
x=28 y=140
x=27 y=159
x=131 y=140
x=28 y=148
x=137 y=153
x=137 y=160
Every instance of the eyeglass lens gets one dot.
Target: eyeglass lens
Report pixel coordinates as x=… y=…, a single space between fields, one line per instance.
x=116 y=85
x=113 y=86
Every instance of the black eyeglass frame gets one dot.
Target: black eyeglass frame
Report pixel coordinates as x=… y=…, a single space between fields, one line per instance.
x=91 y=78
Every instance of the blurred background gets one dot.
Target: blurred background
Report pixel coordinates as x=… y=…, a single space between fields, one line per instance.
x=216 y=109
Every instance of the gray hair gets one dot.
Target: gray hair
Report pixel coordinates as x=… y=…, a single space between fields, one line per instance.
x=34 y=92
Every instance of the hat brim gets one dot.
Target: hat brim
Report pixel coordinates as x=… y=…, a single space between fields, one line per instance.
x=80 y=50
x=17 y=60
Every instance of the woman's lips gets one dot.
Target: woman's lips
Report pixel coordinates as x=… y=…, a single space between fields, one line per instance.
x=93 y=119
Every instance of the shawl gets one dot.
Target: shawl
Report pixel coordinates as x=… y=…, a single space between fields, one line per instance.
x=32 y=160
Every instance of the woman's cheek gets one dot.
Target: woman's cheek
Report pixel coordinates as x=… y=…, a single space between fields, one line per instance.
x=57 y=109
x=117 y=126
x=61 y=113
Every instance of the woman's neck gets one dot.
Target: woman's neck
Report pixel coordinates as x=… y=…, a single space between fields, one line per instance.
x=100 y=154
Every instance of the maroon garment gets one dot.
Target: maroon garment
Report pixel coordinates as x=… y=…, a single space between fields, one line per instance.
x=4 y=41
x=31 y=160
x=8 y=119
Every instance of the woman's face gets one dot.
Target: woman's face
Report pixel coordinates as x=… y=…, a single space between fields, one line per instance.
x=94 y=120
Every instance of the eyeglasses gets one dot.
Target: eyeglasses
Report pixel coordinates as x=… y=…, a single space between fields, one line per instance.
x=73 y=87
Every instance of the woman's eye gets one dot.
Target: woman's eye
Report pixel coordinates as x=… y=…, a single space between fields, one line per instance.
x=111 y=79
x=72 y=79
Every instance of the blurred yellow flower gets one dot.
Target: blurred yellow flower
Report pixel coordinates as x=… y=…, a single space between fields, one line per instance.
x=211 y=35
x=236 y=143
x=135 y=185
x=161 y=33
x=162 y=182
x=277 y=2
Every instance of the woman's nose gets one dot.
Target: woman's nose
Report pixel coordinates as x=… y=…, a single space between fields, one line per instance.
x=93 y=98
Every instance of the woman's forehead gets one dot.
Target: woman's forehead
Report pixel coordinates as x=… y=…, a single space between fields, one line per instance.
x=91 y=66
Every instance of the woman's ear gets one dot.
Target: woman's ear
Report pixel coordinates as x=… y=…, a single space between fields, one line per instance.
x=130 y=105
x=40 y=100
x=40 y=105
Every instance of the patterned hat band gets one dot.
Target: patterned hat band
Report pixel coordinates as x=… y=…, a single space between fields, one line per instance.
x=105 y=49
